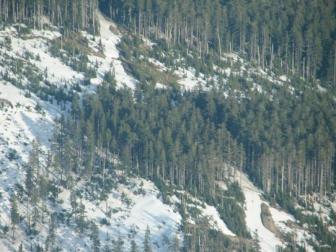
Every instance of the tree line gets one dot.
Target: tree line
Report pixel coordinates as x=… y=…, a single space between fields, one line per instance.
x=295 y=36
x=191 y=139
x=71 y=15
x=37 y=202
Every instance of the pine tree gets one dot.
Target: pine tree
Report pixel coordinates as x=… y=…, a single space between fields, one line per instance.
x=118 y=246
x=15 y=217
x=81 y=217
x=134 y=247
x=256 y=241
x=29 y=181
x=73 y=202
x=20 y=248
x=30 y=188
x=51 y=238
x=94 y=236
x=147 y=241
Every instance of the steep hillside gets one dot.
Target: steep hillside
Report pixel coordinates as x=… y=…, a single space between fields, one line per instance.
x=111 y=141
x=27 y=119
x=32 y=100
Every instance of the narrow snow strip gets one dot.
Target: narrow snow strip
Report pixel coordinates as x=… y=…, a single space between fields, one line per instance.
x=209 y=212
x=215 y=220
x=110 y=41
x=267 y=240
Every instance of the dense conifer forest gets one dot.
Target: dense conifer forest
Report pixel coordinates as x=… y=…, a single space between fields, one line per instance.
x=287 y=142
x=193 y=139
x=295 y=36
x=283 y=137
x=71 y=15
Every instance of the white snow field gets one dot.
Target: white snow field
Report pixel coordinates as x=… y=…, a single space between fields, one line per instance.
x=214 y=219
x=20 y=124
x=112 y=61
x=268 y=241
x=25 y=118
x=129 y=218
x=34 y=49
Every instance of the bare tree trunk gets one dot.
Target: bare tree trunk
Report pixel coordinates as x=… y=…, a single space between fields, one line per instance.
x=334 y=66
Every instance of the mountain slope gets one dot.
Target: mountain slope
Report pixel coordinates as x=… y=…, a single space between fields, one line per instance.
x=40 y=84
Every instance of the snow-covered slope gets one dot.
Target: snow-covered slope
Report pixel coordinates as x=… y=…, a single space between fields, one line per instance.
x=20 y=124
x=131 y=207
x=112 y=61
x=268 y=240
x=22 y=121
x=25 y=118
x=232 y=66
x=33 y=51
x=133 y=204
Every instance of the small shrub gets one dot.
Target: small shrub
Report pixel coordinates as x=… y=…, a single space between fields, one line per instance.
x=12 y=155
x=235 y=191
x=5 y=229
x=104 y=221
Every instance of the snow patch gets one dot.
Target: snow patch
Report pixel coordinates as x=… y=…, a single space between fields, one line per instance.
x=267 y=240
x=214 y=219
x=112 y=61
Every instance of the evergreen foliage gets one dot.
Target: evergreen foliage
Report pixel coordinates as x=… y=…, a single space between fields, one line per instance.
x=14 y=213
x=189 y=139
x=134 y=247
x=295 y=36
x=69 y=15
x=192 y=139
x=147 y=241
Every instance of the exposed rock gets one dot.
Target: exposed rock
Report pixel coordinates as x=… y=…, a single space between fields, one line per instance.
x=4 y=102
x=267 y=220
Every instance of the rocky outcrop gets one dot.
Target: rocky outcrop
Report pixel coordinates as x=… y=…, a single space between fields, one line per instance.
x=267 y=220
x=4 y=103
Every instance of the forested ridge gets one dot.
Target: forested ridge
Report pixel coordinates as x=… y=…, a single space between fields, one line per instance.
x=71 y=15
x=193 y=139
x=294 y=36
x=267 y=108
x=297 y=37
x=287 y=142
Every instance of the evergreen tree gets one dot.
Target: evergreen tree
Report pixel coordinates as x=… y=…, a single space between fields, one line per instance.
x=51 y=238
x=20 y=248
x=29 y=181
x=118 y=246
x=134 y=247
x=147 y=241
x=94 y=236
x=256 y=241
x=81 y=223
x=14 y=212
